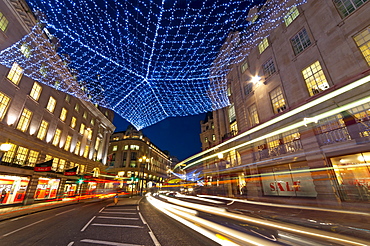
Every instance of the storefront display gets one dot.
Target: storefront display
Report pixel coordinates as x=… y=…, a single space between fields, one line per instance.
x=13 y=189
x=353 y=176
x=70 y=190
x=47 y=188
x=288 y=180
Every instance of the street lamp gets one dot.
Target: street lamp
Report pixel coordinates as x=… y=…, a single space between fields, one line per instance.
x=143 y=160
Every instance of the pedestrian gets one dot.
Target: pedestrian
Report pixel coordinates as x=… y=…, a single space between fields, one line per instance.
x=115 y=199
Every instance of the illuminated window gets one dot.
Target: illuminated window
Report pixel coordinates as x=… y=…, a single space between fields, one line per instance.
x=48 y=157
x=232 y=115
x=68 y=98
x=21 y=155
x=24 y=120
x=206 y=140
x=300 y=41
x=234 y=128
x=345 y=7
x=86 y=151
x=97 y=143
x=77 y=148
x=62 y=164
x=291 y=15
x=213 y=137
x=89 y=134
x=85 y=115
x=51 y=104
x=4 y=103
x=67 y=144
x=3 y=22
x=43 y=70
x=55 y=164
x=42 y=130
x=77 y=107
x=92 y=122
x=126 y=147
x=277 y=100
x=315 y=78
x=56 y=138
x=253 y=115
x=15 y=73
x=268 y=68
x=82 y=128
x=248 y=88
x=363 y=42
x=32 y=158
x=36 y=91
x=244 y=67
x=57 y=84
x=115 y=147
x=115 y=138
x=8 y=155
x=73 y=122
x=263 y=45
x=63 y=114
x=135 y=147
x=26 y=50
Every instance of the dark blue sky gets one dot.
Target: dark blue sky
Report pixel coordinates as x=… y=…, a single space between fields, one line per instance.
x=178 y=135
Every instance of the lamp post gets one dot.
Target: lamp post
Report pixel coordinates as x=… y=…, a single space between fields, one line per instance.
x=143 y=161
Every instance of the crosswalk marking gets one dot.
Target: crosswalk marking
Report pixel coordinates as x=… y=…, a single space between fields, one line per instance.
x=117 y=218
x=117 y=213
x=123 y=209
x=115 y=225
x=107 y=243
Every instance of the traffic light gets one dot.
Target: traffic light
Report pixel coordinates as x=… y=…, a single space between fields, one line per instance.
x=80 y=181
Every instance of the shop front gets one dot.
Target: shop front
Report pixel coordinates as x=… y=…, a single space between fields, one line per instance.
x=293 y=180
x=353 y=176
x=13 y=188
x=47 y=188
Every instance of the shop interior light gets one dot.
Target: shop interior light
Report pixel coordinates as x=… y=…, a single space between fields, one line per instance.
x=5 y=147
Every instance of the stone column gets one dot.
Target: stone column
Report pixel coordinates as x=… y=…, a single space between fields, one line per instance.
x=30 y=193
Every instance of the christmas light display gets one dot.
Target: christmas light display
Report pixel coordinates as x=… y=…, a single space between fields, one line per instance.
x=146 y=60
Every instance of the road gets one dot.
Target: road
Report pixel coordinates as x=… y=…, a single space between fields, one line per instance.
x=98 y=224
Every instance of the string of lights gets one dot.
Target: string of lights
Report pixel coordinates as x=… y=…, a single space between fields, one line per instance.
x=146 y=60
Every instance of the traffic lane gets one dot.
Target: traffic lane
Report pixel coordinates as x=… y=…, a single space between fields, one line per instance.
x=115 y=225
x=51 y=227
x=170 y=232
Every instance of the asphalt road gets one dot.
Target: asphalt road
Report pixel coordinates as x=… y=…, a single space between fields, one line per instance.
x=99 y=224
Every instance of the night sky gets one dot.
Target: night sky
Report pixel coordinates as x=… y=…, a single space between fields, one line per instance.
x=178 y=135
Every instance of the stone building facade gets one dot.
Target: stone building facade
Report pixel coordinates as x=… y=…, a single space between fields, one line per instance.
x=39 y=123
x=298 y=124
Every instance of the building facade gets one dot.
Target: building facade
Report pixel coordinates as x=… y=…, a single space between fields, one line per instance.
x=137 y=162
x=39 y=123
x=298 y=124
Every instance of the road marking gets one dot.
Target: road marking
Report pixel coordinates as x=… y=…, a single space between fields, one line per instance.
x=71 y=243
x=118 y=218
x=115 y=225
x=151 y=234
x=142 y=219
x=116 y=213
x=101 y=210
x=123 y=209
x=137 y=207
x=108 y=243
x=24 y=227
x=65 y=212
x=88 y=223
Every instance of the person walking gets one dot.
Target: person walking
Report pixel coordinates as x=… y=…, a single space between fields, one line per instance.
x=115 y=199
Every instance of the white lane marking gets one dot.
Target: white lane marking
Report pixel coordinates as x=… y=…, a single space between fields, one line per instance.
x=118 y=218
x=65 y=212
x=107 y=243
x=116 y=213
x=24 y=227
x=71 y=243
x=115 y=225
x=16 y=218
x=88 y=223
x=101 y=209
x=142 y=219
x=137 y=207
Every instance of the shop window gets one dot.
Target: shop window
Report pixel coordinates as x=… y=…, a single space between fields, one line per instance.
x=277 y=100
x=13 y=189
x=42 y=130
x=292 y=14
x=315 y=78
x=51 y=104
x=300 y=41
x=4 y=103
x=15 y=73
x=36 y=91
x=3 y=22
x=262 y=46
x=346 y=7
x=24 y=120
x=363 y=43
x=63 y=114
x=46 y=188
